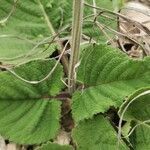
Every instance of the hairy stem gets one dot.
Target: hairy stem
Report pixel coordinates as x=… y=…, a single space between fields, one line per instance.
x=75 y=44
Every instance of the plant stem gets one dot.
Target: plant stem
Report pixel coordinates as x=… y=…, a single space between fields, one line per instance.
x=75 y=44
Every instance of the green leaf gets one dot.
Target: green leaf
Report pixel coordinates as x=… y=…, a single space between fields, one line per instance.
x=140 y=138
x=96 y=134
x=29 y=113
x=54 y=146
x=16 y=51
x=109 y=77
x=102 y=4
x=91 y=29
x=136 y=110
x=27 y=27
x=137 y=107
x=28 y=18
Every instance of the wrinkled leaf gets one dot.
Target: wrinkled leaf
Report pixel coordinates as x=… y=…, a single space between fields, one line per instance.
x=28 y=113
x=27 y=27
x=109 y=77
x=136 y=110
x=96 y=134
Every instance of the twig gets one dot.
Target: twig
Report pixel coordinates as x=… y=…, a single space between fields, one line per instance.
x=122 y=112
x=103 y=15
x=47 y=40
x=46 y=77
x=121 y=34
x=17 y=37
x=94 y=10
x=141 y=26
x=105 y=33
x=31 y=51
x=141 y=123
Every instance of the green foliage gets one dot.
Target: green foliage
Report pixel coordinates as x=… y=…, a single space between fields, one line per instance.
x=28 y=18
x=96 y=134
x=110 y=76
x=92 y=30
x=137 y=107
x=54 y=146
x=28 y=113
x=103 y=4
x=26 y=28
x=140 y=138
x=136 y=110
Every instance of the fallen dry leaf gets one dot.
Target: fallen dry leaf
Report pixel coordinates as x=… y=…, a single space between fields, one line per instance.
x=63 y=138
x=141 y=14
